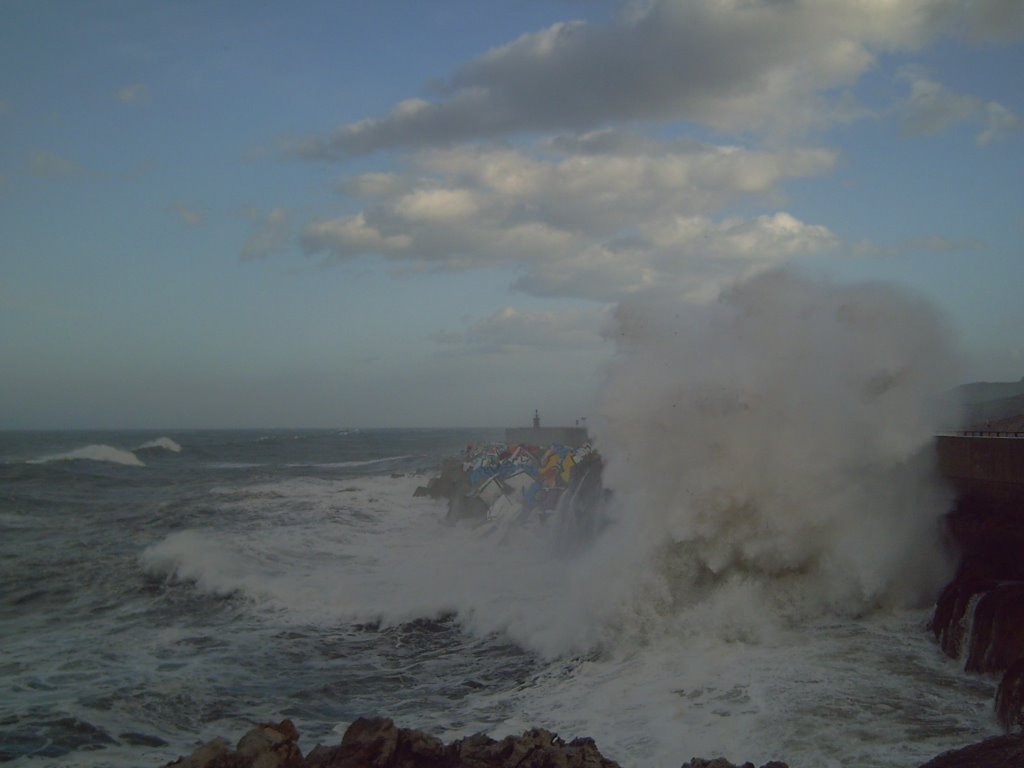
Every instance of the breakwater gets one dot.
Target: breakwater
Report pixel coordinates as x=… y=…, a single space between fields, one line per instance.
x=515 y=483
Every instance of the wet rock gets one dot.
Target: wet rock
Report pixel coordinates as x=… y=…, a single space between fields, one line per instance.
x=453 y=484
x=979 y=616
x=451 y=480
x=370 y=742
x=537 y=748
x=379 y=743
x=951 y=617
x=268 y=745
x=271 y=746
x=1000 y=752
x=997 y=629
x=1010 y=697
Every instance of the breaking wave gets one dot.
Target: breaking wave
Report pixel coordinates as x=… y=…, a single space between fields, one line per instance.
x=769 y=458
x=213 y=565
x=770 y=455
x=164 y=443
x=105 y=453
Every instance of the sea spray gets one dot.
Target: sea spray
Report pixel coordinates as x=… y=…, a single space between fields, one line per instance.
x=770 y=453
x=768 y=456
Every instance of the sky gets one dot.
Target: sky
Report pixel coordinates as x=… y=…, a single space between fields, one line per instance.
x=400 y=213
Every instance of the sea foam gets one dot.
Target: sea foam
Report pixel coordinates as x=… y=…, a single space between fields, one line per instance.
x=105 y=453
x=164 y=443
x=771 y=457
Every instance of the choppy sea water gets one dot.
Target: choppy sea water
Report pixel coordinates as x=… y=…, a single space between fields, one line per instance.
x=158 y=589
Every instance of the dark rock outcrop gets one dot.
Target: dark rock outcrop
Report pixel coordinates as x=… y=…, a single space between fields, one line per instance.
x=379 y=743
x=1000 y=752
x=1010 y=697
x=453 y=484
x=268 y=745
x=979 y=616
x=450 y=481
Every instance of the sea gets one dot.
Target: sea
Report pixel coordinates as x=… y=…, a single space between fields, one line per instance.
x=161 y=588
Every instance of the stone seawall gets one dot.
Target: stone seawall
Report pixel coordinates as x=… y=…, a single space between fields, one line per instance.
x=989 y=468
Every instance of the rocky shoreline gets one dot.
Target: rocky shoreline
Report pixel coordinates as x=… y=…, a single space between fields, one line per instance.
x=379 y=743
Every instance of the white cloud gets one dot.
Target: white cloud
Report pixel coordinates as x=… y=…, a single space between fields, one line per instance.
x=600 y=213
x=351 y=235
x=693 y=257
x=440 y=205
x=595 y=217
x=734 y=65
x=136 y=93
x=474 y=207
x=775 y=237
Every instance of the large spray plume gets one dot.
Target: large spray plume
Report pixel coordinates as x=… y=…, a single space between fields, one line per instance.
x=771 y=452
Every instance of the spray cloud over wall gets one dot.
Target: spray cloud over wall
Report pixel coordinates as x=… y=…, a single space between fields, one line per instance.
x=771 y=453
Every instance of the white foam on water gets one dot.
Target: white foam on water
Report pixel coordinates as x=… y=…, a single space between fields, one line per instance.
x=161 y=442
x=105 y=453
x=870 y=691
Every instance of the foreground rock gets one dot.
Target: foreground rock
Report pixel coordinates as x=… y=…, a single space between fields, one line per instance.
x=979 y=617
x=379 y=743
x=1000 y=752
x=266 y=746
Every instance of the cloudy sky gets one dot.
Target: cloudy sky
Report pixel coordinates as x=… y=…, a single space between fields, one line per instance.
x=421 y=213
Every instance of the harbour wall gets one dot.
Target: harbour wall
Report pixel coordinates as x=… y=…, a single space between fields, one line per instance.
x=983 y=466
